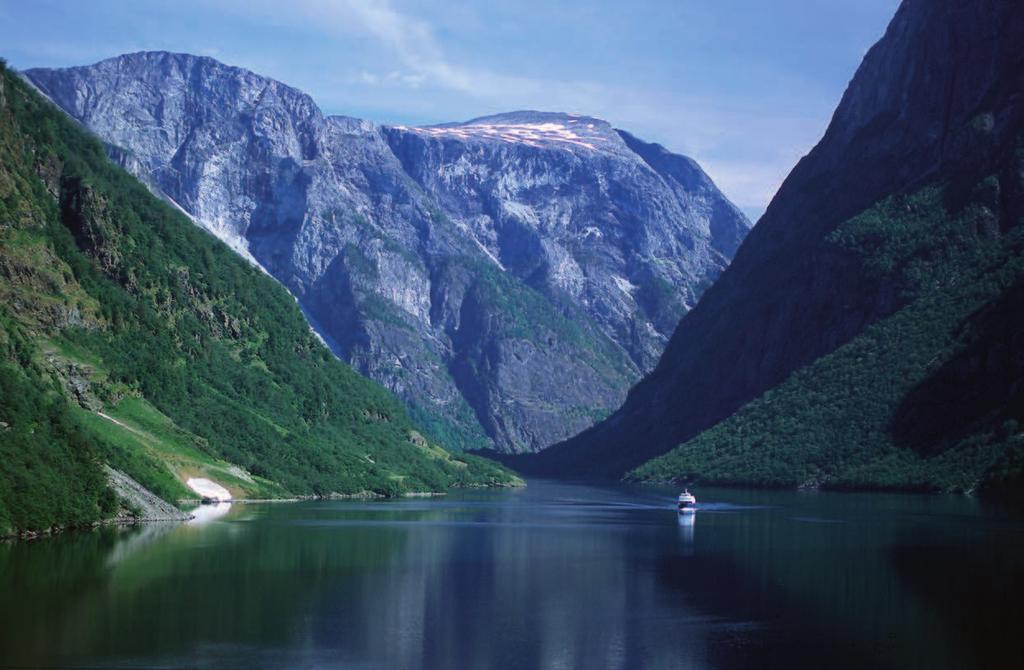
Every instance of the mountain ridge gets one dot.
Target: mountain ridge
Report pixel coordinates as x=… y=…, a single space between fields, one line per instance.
x=380 y=232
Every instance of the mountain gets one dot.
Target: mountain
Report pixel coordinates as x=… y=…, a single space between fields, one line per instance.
x=867 y=331
x=137 y=352
x=470 y=267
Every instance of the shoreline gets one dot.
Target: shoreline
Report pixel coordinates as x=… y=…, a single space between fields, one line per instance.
x=973 y=492
x=123 y=521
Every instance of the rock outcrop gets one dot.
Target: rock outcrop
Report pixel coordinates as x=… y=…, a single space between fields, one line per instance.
x=145 y=505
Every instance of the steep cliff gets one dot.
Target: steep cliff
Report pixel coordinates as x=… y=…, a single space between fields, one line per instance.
x=130 y=338
x=463 y=266
x=912 y=195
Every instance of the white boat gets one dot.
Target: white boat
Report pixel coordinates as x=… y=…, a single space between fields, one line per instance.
x=687 y=503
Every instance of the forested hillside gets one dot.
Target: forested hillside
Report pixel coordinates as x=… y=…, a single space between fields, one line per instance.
x=930 y=398
x=866 y=333
x=129 y=336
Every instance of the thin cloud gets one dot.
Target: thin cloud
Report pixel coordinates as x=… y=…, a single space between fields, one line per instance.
x=414 y=44
x=412 y=40
x=705 y=128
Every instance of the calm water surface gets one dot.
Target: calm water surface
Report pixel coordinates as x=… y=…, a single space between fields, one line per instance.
x=553 y=576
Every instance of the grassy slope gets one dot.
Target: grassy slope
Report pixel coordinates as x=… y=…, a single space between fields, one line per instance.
x=205 y=359
x=843 y=421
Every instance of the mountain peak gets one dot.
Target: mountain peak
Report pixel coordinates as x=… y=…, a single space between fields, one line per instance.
x=531 y=128
x=152 y=73
x=156 y=61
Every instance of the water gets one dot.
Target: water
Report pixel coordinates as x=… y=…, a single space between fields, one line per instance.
x=553 y=576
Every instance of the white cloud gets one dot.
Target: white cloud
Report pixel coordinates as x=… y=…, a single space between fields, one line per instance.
x=393 y=78
x=411 y=41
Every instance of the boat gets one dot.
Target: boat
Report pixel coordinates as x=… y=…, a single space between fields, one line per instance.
x=687 y=503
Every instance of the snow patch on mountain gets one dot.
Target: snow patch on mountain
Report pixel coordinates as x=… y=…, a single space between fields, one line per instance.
x=531 y=134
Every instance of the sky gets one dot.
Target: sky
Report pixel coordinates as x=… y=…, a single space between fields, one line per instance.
x=745 y=87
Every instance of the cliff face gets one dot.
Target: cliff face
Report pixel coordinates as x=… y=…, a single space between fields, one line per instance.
x=936 y=101
x=585 y=214
x=468 y=267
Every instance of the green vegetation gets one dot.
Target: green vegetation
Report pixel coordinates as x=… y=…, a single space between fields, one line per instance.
x=148 y=446
x=49 y=470
x=519 y=311
x=204 y=360
x=879 y=411
x=462 y=432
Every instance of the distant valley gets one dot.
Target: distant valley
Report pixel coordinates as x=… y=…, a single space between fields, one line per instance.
x=284 y=388
x=539 y=286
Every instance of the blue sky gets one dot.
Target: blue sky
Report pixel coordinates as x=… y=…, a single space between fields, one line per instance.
x=746 y=87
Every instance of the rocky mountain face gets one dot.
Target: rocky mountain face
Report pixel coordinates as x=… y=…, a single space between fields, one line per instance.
x=936 y=104
x=508 y=277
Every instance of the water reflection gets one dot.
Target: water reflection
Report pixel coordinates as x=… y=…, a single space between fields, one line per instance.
x=553 y=576
x=686 y=524
x=135 y=538
x=204 y=514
